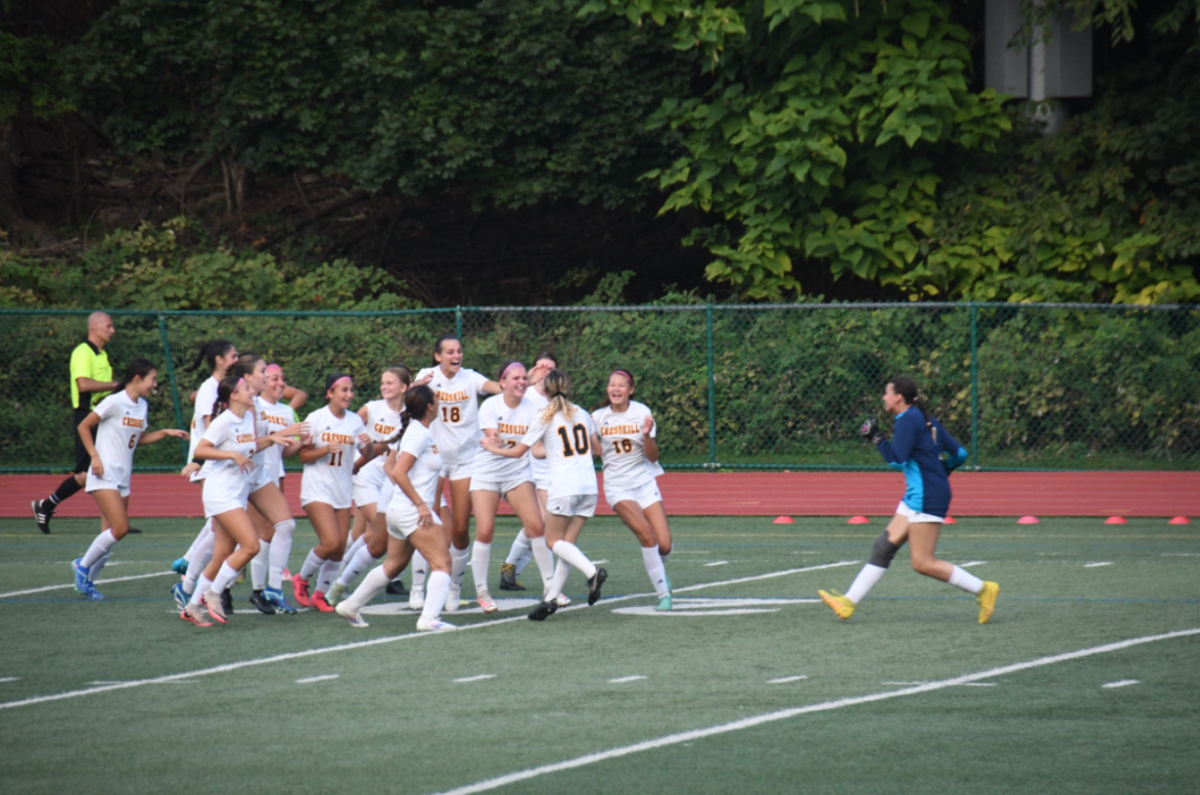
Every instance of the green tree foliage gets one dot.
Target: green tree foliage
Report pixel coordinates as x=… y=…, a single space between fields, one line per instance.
x=515 y=100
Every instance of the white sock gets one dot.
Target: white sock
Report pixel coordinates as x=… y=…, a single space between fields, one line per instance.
x=206 y=530
x=436 y=590
x=202 y=585
x=520 y=548
x=655 y=570
x=864 y=582
x=459 y=558
x=965 y=580
x=420 y=570
x=224 y=578
x=258 y=565
x=372 y=585
x=351 y=551
x=281 y=550
x=329 y=570
x=312 y=564
x=574 y=555
x=98 y=567
x=201 y=554
x=481 y=559
x=562 y=570
x=100 y=546
x=362 y=560
x=545 y=559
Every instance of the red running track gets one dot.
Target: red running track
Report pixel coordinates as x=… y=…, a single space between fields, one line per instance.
x=758 y=494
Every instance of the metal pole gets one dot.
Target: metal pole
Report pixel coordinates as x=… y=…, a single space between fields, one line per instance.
x=975 y=442
x=166 y=344
x=712 y=399
x=458 y=322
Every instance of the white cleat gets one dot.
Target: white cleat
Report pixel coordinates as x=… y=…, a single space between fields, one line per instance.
x=433 y=625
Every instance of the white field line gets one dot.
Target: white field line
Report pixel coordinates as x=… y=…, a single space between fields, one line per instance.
x=1097 y=564
x=71 y=586
x=784 y=680
x=784 y=714
x=476 y=678
x=235 y=666
x=622 y=680
x=311 y=679
x=1122 y=683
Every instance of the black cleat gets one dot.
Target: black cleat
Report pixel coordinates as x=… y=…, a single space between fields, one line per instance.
x=134 y=530
x=594 y=583
x=42 y=514
x=396 y=588
x=543 y=611
x=259 y=601
x=508 y=578
x=227 y=602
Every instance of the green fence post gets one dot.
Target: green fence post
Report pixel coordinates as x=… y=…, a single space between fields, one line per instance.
x=458 y=322
x=166 y=344
x=712 y=399
x=975 y=442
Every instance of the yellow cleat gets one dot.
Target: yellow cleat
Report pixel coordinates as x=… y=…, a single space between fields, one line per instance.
x=987 y=601
x=838 y=603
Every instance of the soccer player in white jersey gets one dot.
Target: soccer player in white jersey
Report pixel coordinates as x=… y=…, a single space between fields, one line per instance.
x=412 y=516
x=626 y=442
x=119 y=422
x=521 y=551
x=565 y=431
x=328 y=485
x=456 y=432
x=505 y=417
x=368 y=534
x=230 y=442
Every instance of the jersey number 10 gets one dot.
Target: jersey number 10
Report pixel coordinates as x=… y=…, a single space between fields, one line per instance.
x=581 y=440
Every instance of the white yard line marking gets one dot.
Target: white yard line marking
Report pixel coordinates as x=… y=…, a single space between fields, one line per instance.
x=625 y=679
x=101 y=682
x=10 y=679
x=311 y=679
x=1122 y=683
x=716 y=563
x=786 y=679
x=971 y=563
x=784 y=714
x=1097 y=564
x=237 y=666
x=478 y=678
x=71 y=586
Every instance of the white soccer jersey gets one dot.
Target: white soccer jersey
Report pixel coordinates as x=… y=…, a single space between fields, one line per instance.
x=418 y=442
x=541 y=467
x=273 y=417
x=510 y=425
x=568 y=451
x=206 y=396
x=330 y=479
x=122 y=423
x=456 y=429
x=623 y=449
x=225 y=482
x=382 y=424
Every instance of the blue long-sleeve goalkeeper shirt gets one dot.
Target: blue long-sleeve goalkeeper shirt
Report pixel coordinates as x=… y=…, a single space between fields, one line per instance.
x=916 y=450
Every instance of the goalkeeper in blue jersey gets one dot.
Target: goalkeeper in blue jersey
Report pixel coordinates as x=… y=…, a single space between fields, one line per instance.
x=926 y=453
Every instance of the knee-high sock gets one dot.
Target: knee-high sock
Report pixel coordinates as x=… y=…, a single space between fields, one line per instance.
x=864 y=582
x=481 y=559
x=968 y=582
x=281 y=550
x=372 y=585
x=202 y=585
x=259 y=564
x=329 y=570
x=100 y=547
x=655 y=570
x=420 y=571
x=201 y=554
x=355 y=566
x=545 y=560
x=351 y=551
x=520 y=551
x=224 y=578
x=312 y=564
x=206 y=530
x=459 y=558
x=98 y=567
x=562 y=570
x=437 y=589
x=574 y=555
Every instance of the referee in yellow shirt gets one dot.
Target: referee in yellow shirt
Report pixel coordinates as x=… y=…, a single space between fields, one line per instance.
x=91 y=381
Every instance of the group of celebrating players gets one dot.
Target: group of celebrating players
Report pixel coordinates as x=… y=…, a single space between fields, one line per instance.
x=394 y=458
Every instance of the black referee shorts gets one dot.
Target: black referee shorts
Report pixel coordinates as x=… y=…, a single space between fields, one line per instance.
x=82 y=460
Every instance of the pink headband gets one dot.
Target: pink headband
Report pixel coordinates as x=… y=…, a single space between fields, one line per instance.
x=622 y=372
x=340 y=380
x=274 y=367
x=239 y=384
x=510 y=366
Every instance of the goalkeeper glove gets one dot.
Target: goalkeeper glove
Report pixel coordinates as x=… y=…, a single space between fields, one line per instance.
x=870 y=431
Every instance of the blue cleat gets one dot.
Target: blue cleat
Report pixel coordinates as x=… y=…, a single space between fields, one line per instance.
x=82 y=583
x=181 y=596
x=180 y=566
x=92 y=593
x=276 y=599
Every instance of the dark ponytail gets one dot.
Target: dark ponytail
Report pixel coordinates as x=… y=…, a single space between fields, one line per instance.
x=416 y=404
x=138 y=368
x=225 y=390
x=245 y=364
x=208 y=353
x=906 y=388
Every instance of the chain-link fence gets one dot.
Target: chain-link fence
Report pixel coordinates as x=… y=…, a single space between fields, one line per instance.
x=732 y=387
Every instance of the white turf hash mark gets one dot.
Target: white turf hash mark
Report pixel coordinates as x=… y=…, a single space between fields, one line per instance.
x=10 y=679
x=1122 y=683
x=1095 y=565
x=784 y=714
x=786 y=679
x=716 y=563
x=479 y=678
x=412 y=636
x=71 y=586
x=312 y=679
x=625 y=679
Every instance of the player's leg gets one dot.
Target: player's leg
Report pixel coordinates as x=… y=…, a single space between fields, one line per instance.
x=882 y=552
x=637 y=520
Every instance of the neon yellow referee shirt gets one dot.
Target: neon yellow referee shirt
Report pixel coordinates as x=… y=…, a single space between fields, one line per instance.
x=88 y=361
